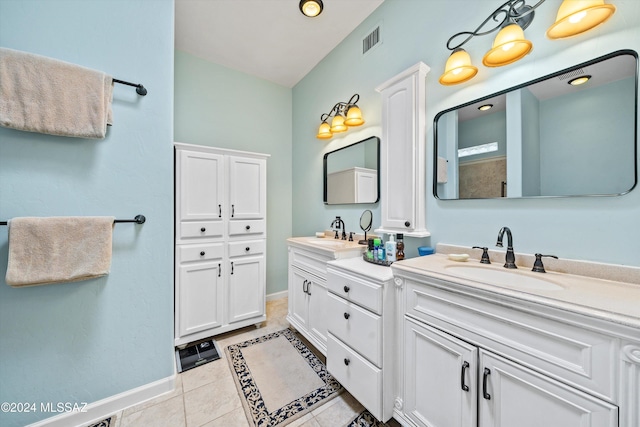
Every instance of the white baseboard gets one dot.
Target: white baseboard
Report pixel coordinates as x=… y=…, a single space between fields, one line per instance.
x=277 y=295
x=102 y=409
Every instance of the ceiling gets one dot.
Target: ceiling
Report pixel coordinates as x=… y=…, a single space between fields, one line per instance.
x=270 y=39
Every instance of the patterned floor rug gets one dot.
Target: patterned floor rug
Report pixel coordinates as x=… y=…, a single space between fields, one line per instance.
x=279 y=378
x=107 y=422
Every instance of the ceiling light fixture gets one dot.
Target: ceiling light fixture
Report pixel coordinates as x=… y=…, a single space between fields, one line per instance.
x=311 y=8
x=579 y=80
x=510 y=44
x=485 y=107
x=344 y=114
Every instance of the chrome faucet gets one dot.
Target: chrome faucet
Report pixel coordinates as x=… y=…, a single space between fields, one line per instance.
x=338 y=223
x=510 y=258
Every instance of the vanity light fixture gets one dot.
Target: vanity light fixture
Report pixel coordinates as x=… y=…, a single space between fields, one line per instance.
x=510 y=45
x=579 y=80
x=311 y=8
x=344 y=114
x=485 y=107
x=577 y=16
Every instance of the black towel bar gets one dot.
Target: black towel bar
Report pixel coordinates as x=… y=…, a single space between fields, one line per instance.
x=139 y=219
x=140 y=90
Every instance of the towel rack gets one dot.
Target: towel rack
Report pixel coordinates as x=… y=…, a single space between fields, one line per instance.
x=140 y=90
x=139 y=219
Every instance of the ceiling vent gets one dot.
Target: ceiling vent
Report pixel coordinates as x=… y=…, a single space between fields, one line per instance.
x=572 y=74
x=372 y=39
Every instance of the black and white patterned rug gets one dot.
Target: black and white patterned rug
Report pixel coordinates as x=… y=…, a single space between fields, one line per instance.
x=258 y=413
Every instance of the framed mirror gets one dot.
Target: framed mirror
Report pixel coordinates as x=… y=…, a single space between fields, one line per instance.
x=351 y=173
x=549 y=137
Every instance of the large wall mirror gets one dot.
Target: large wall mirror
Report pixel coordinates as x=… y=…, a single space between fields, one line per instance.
x=545 y=138
x=351 y=173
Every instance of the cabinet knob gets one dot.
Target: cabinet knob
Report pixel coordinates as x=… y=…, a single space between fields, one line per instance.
x=407 y=224
x=202 y=253
x=346 y=288
x=247 y=249
x=248 y=227
x=346 y=361
x=203 y=229
x=347 y=315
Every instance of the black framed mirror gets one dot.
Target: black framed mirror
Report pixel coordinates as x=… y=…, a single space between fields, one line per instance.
x=351 y=174
x=545 y=138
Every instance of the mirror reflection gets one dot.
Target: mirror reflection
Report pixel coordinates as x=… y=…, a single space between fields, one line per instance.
x=351 y=173
x=548 y=137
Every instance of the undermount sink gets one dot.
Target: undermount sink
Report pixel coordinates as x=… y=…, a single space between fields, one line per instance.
x=510 y=278
x=332 y=243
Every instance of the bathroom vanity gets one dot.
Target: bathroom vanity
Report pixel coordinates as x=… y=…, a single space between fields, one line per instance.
x=483 y=346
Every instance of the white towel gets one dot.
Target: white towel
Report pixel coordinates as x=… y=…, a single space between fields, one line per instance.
x=45 y=95
x=58 y=249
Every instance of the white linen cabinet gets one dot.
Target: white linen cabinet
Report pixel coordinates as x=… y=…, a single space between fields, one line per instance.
x=402 y=153
x=220 y=213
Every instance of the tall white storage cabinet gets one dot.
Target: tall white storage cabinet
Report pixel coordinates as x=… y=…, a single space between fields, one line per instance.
x=221 y=218
x=402 y=153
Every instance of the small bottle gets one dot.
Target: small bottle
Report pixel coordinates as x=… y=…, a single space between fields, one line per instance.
x=376 y=248
x=399 y=247
x=381 y=252
x=370 y=249
x=390 y=248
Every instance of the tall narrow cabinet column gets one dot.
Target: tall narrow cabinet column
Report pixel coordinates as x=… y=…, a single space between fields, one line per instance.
x=402 y=153
x=221 y=218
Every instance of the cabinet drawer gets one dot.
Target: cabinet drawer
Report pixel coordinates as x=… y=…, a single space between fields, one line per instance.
x=361 y=378
x=309 y=261
x=201 y=229
x=354 y=325
x=246 y=247
x=362 y=292
x=246 y=227
x=188 y=253
x=568 y=352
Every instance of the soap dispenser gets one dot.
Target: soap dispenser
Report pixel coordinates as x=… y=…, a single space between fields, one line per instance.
x=390 y=248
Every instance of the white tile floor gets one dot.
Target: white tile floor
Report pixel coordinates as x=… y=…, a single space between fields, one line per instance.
x=191 y=403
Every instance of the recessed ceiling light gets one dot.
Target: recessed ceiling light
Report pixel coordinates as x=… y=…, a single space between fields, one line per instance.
x=485 y=107
x=311 y=8
x=579 y=80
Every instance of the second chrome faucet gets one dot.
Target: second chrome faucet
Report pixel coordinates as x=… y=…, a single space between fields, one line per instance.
x=510 y=258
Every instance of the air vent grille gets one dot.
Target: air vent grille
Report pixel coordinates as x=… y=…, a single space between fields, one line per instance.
x=371 y=40
x=572 y=74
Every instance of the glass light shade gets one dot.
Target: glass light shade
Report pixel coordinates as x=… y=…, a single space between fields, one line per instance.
x=337 y=124
x=458 y=69
x=508 y=47
x=577 y=16
x=324 y=131
x=311 y=8
x=354 y=117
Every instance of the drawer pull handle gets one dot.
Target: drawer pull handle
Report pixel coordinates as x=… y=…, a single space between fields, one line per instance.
x=202 y=253
x=248 y=227
x=347 y=315
x=346 y=288
x=233 y=211
x=219 y=211
x=346 y=361
x=219 y=269
x=247 y=249
x=203 y=229
x=464 y=387
x=232 y=268
x=486 y=374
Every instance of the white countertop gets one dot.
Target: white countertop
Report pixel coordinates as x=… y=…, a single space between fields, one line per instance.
x=613 y=301
x=334 y=248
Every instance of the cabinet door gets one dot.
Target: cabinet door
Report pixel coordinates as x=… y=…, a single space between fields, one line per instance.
x=200 y=186
x=246 y=288
x=298 y=301
x=318 y=300
x=512 y=395
x=440 y=378
x=247 y=188
x=199 y=297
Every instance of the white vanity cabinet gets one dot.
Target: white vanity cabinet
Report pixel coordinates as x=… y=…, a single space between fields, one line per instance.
x=472 y=357
x=402 y=153
x=220 y=204
x=307 y=311
x=361 y=342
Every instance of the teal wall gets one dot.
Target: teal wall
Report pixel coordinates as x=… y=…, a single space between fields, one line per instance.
x=86 y=341
x=220 y=107
x=599 y=229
